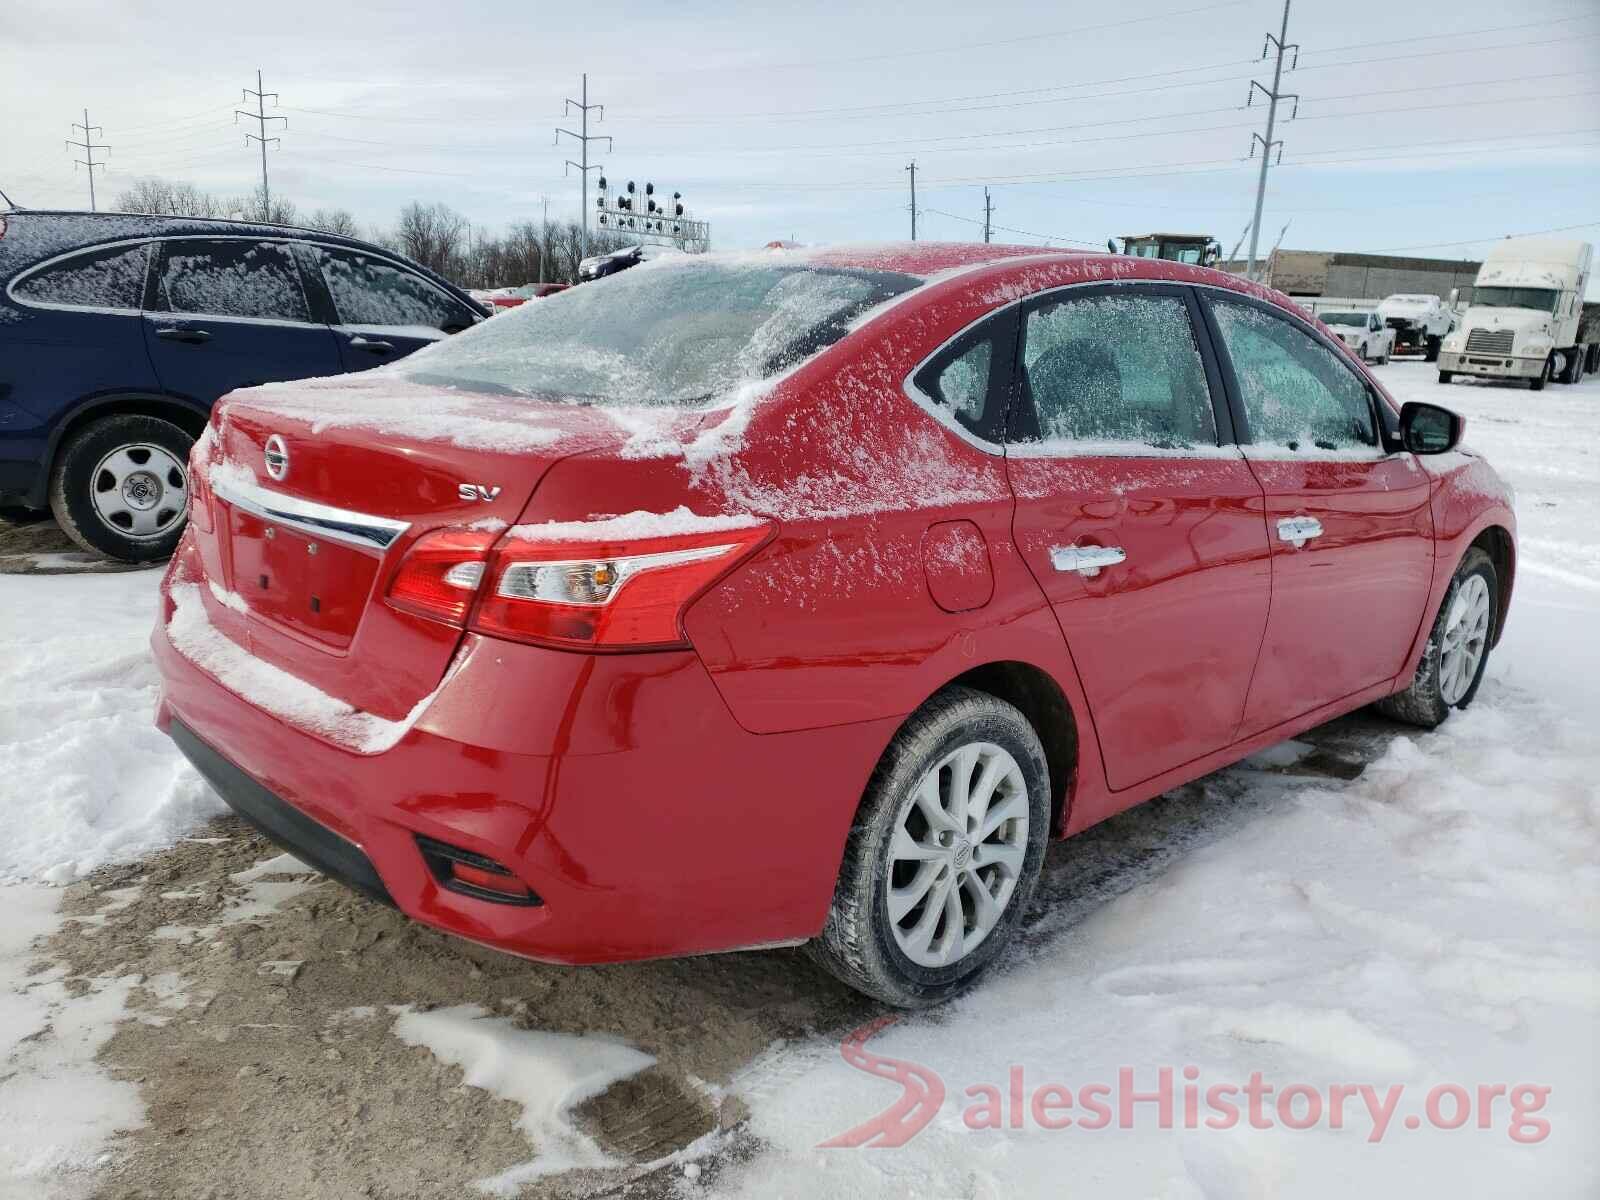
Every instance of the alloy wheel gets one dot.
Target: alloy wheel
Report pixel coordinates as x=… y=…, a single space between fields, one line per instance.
x=1466 y=634
x=960 y=840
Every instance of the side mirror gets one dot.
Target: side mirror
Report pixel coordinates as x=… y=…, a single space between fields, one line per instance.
x=1428 y=428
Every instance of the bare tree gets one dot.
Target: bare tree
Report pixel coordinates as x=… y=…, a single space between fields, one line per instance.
x=431 y=234
x=162 y=197
x=334 y=220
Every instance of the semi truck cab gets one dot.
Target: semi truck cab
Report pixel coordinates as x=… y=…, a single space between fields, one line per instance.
x=1525 y=320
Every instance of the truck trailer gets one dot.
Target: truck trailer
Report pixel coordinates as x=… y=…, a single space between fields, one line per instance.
x=1527 y=318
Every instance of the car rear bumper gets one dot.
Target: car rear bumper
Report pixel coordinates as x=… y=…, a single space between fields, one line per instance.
x=618 y=788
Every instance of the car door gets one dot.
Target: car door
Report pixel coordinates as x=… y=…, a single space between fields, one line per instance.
x=381 y=311
x=77 y=338
x=1140 y=520
x=226 y=313
x=1380 y=338
x=1349 y=520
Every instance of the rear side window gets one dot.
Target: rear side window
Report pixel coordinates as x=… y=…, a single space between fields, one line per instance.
x=112 y=277
x=369 y=291
x=232 y=279
x=961 y=380
x=1115 y=368
x=1298 y=394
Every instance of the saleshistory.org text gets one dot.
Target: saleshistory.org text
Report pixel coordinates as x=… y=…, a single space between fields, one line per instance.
x=1178 y=1098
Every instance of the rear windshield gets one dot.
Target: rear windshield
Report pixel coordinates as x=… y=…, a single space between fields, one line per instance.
x=1344 y=318
x=675 y=334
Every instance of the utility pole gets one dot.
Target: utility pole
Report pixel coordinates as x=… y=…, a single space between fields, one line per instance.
x=1267 y=144
x=88 y=146
x=544 y=225
x=988 y=212
x=913 y=169
x=260 y=118
x=583 y=139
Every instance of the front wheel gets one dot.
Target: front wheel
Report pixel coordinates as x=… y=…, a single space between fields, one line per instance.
x=1457 y=652
x=1433 y=344
x=1537 y=384
x=944 y=854
x=121 y=487
x=1446 y=376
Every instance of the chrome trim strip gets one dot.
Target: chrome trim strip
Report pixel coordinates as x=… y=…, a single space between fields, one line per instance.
x=372 y=534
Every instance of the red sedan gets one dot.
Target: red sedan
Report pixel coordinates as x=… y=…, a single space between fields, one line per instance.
x=761 y=601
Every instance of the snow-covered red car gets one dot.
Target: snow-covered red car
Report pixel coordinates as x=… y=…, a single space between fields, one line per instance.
x=765 y=600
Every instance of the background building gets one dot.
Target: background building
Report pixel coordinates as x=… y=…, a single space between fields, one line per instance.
x=1314 y=273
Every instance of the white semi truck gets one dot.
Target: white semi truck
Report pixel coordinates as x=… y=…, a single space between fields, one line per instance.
x=1526 y=319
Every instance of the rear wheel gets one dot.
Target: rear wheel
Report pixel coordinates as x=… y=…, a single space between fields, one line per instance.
x=1446 y=376
x=1571 y=367
x=1457 y=652
x=121 y=487
x=944 y=854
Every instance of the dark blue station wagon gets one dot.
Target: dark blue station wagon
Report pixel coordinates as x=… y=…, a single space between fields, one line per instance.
x=118 y=332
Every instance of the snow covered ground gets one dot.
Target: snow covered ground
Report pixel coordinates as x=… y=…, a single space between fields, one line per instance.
x=1428 y=931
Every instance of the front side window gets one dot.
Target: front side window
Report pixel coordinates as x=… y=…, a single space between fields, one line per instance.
x=111 y=277
x=1110 y=368
x=233 y=278
x=666 y=333
x=1298 y=394
x=369 y=291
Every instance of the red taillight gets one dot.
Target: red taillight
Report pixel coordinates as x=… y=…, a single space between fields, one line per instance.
x=200 y=485
x=439 y=575
x=605 y=595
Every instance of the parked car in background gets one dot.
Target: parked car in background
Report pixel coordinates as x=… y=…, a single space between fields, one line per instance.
x=802 y=598
x=1420 y=323
x=1363 y=332
x=118 y=332
x=504 y=298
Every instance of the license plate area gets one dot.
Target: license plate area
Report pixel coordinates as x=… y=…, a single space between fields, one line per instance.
x=315 y=587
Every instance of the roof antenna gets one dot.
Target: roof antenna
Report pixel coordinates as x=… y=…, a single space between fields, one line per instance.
x=9 y=203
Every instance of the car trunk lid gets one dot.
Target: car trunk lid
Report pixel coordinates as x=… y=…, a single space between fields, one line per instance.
x=317 y=491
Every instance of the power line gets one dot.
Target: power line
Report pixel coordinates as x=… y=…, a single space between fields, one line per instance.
x=1493 y=238
x=1043 y=237
x=583 y=139
x=88 y=146
x=260 y=118
x=1273 y=96
x=898 y=108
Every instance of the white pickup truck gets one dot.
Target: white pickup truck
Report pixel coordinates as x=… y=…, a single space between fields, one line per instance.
x=1527 y=316
x=1420 y=323
x=1363 y=332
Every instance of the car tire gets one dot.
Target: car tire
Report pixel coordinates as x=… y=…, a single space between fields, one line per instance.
x=915 y=957
x=1446 y=376
x=1457 y=652
x=120 y=487
x=1433 y=344
x=1537 y=384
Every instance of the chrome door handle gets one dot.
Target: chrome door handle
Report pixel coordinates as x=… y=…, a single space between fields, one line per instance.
x=1297 y=531
x=1085 y=560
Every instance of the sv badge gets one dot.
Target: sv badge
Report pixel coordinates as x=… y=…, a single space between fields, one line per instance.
x=477 y=491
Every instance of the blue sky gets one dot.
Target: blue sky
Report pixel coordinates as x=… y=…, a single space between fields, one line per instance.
x=1087 y=119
